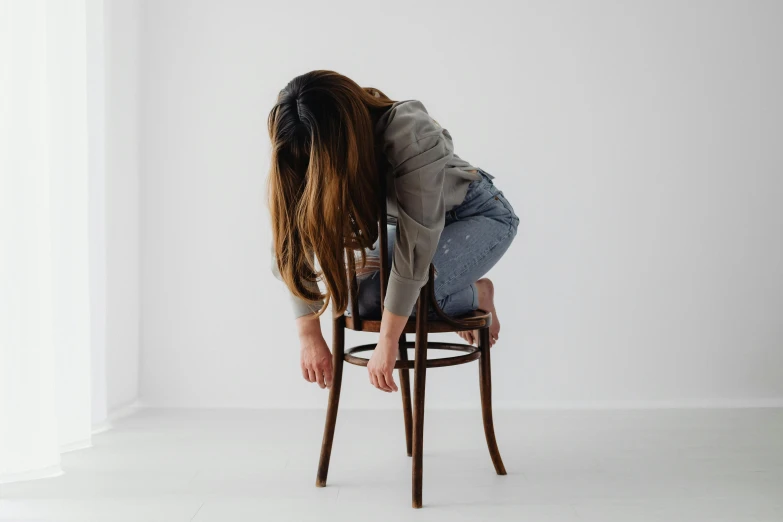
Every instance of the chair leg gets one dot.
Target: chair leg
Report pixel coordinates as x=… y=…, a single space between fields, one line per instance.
x=485 y=384
x=419 y=380
x=338 y=350
x=405 y=391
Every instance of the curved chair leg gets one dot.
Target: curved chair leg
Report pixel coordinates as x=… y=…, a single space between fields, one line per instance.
x=405 y=391
x=485 y=384
x=338 y=350
x=419 y=380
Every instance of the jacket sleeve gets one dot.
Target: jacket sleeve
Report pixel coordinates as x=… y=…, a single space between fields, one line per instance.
x=418 y=153
x=300 y=306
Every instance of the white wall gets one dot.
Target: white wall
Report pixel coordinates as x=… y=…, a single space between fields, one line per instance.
x=121 y=21
x=638 y=141
x=96 y=125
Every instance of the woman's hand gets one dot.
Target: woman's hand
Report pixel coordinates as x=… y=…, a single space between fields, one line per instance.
x=315 y=357
x=381 y=365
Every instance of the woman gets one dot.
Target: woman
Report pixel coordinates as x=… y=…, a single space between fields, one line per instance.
x=331 y=140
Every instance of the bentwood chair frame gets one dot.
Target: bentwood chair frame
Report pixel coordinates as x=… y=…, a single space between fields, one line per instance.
x=421 y=326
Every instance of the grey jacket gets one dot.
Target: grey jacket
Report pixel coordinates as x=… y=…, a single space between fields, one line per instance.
x=425 y=180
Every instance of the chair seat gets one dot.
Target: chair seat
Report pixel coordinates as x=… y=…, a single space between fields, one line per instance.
x=478 y=318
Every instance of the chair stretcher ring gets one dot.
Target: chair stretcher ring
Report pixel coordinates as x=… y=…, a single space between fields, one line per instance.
x=470 y=353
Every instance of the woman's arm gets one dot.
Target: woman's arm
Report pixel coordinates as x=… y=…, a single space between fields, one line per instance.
x=418 y=154
x=315 y=359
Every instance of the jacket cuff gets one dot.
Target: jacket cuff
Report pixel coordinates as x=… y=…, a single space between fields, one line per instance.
x=302 y=307
x=401 y=295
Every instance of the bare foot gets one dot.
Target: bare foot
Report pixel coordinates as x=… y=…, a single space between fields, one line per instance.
x=486 y=302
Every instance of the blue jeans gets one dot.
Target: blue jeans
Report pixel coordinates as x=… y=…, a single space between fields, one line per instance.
x=477 y=234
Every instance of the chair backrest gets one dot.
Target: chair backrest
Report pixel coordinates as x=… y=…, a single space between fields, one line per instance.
x=383 y=239
x=383 y=243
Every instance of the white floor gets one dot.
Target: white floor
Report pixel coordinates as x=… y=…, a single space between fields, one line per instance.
x=237 y=465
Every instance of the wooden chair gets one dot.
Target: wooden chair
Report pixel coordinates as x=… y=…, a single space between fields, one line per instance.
x=421 y=325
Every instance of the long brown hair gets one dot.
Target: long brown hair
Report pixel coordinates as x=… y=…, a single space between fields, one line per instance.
x=323 y=182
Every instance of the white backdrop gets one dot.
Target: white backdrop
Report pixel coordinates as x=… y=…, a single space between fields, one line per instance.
x=121 y=191
x=640 y=143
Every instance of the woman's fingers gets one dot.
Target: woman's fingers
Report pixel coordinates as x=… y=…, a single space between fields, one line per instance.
x=381 y=380
x=380 y=366
x=322 y=376
x=389 y=380
x=319 y=376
